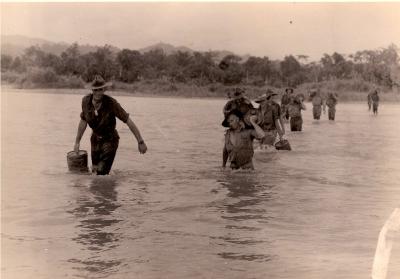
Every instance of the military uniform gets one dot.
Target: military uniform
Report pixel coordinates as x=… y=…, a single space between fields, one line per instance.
x=104 y=140
x=331 y=103
x=296 y=120
x=317 y=103
x=375 y=103
x=269 y=113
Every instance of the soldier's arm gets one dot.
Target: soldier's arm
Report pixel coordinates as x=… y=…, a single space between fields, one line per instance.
x=258 y=132
x=81 y=129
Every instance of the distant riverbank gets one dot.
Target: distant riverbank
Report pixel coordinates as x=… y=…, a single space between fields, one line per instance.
x=159 y=88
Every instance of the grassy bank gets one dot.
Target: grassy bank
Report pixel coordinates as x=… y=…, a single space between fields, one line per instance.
x=47 y=82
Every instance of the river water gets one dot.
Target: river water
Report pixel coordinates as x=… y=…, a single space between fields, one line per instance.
x=314 y=212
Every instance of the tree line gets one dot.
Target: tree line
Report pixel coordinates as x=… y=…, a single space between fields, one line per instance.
x=381 y=66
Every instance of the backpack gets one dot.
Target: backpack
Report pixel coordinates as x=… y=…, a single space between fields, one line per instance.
x=294 y=110
x=375 y=98
x=317 y=101
x=331 y=102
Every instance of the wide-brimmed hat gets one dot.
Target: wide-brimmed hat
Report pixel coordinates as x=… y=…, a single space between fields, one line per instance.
x=289 y=89
x=236 y=112
x=261 y=98
x=265 y=96
x=98 y=82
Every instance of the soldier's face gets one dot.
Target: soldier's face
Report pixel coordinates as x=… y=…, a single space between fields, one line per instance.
x=98 y=94
x=233 y=121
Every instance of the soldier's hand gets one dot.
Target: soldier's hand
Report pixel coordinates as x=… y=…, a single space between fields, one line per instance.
x=253 y=119
x=142 y=147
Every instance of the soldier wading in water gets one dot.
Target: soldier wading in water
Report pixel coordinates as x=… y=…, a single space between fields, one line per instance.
x=317 y=103
x=270 y=118
x=331 y=102
x=295 y=107
x=100 y=112
x=238 y=147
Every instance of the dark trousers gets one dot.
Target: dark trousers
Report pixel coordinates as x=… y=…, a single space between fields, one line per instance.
x=317 y=112
x=103 y=152
x=331 y=113
x=296 y=123
x=375 y=108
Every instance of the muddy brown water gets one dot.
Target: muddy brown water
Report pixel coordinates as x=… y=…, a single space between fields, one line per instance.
x=314 y=212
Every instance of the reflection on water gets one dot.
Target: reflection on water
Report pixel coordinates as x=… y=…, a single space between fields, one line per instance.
x=252 y=257
x=95 y=206
x=245 y=193
x=245 y=209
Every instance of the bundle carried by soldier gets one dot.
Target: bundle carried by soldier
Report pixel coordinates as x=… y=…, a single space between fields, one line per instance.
x=239 y=102
x=242 y=130
x=268 y=115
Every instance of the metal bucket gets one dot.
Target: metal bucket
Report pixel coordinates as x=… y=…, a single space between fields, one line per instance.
x=77 y=161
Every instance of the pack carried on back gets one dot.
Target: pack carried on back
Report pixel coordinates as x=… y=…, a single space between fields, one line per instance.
x=294 y=110
x=331 y=102
x=317 y=101
x=268 y=114
x=243 y=105
x=375 y=98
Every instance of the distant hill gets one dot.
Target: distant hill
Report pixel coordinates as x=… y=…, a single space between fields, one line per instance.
x=15 y=45
x=167 y=48
x=25 y=41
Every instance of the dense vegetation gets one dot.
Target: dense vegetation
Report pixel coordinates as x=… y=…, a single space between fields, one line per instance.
x=71 y=69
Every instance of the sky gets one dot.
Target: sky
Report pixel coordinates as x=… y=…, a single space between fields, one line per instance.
x=258 y=28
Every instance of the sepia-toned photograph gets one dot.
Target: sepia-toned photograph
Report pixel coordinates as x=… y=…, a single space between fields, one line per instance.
x=175 y=140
